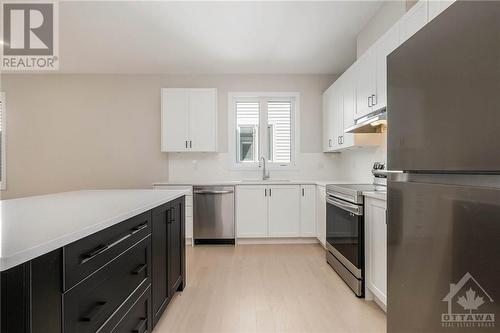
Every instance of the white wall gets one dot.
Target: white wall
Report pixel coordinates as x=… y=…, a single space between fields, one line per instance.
x=81 y=131
x=385 y=18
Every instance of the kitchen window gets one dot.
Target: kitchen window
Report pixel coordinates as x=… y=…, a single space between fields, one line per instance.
x=2 y=141
x=263 y=124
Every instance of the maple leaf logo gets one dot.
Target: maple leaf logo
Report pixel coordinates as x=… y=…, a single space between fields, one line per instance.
x=470 y=301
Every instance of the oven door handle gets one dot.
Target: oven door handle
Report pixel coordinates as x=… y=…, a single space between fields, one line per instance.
x=355 y=209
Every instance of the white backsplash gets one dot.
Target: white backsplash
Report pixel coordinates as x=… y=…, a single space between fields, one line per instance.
x=217 y=166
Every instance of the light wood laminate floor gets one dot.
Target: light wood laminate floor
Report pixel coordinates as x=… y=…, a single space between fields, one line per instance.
x=266 y=288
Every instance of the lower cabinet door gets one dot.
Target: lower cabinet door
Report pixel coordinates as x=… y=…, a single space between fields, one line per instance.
x=137 y=319
x=160 y=260
x=168 y=254
x=251 y=211
x=321 y=217
x=376 y=248
x=284 y=211
x=308 y=211
x=176 y=243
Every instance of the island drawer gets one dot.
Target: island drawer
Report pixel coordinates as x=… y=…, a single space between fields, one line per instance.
x=138 y=317
x=91 y=303
x=87 y=255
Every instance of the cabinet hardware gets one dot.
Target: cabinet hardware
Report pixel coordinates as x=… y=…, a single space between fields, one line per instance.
x=104 y=247
x=302 y=191
x=186 y=143
x=374 y=100
x=265 y=192
x=190 y=144
x=330 y=143
x=369 y=101
x=139 y=269
x=94 y=311
x=270 y=193
x=138 y=228
x=172 y=212
x=140 y=328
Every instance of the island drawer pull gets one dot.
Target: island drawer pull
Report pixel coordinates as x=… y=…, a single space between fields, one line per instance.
x=94 y=311
x=141 y=326
x=139 y=269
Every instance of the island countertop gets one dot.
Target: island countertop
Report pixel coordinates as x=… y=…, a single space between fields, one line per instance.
x=34 y=226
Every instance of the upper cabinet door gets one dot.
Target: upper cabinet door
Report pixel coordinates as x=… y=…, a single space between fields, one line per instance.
x=284 y=210
x=174 y=124
x=330 y=101
x=385 y=45
x=203 y=120
x=437 y=7
x=414 y=20
x=365 y=82
x=349 y=92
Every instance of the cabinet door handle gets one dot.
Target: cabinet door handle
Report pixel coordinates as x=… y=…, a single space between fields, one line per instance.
x=270 y=193
x=265 y=192
x=302 y=191
x=94 y=311
x=369 y=101
x=139 y=269
x=186 y=143
x=330 y=143
x=190 y=144
x=140 y=328
x=172 y=212
x=374 y=99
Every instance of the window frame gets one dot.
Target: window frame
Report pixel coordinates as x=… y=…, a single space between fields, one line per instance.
x=263 y=98
x=3 y=181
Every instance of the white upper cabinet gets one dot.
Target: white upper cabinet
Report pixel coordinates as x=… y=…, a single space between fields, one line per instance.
x=328 y=110
x=189 y=120
x=366 y=82
x=284 y=210
x=384 y=46
x=437 y=7
x=308 y=211
x=202 y=120
x=174 y=120
x=414 y=20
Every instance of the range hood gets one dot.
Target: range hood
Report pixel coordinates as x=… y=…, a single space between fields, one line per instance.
x=373 y=122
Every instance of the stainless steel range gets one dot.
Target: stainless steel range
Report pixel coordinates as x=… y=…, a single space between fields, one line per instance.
x=345 y=228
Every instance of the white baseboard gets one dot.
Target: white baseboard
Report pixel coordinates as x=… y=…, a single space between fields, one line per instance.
x=293 y=240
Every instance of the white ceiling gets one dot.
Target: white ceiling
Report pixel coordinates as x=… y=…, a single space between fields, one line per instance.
x=210 y=37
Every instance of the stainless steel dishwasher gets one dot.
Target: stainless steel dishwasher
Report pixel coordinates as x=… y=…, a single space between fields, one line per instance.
x=213 y=215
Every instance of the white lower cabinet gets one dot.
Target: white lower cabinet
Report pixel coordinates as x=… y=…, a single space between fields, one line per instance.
x=308 y=211
x=284 y=210
x=251 y=211
x=376 y=250
x=275 y=211
x=321 y=215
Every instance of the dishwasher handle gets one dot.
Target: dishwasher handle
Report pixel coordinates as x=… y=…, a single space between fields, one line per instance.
x=213 y=192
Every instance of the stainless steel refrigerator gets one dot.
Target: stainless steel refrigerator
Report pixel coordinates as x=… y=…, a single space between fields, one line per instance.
x=444 y=208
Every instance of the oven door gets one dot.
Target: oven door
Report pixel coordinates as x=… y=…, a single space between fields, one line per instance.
x=344 y=234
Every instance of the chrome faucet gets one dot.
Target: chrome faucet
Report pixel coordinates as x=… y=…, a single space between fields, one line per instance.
x=262 y=164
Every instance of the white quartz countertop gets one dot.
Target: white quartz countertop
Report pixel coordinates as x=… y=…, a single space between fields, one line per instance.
x=376 y=195
x=34 y=226
x=251 y=182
